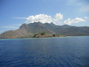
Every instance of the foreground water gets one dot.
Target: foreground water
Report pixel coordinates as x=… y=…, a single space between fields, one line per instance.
x=46 y=52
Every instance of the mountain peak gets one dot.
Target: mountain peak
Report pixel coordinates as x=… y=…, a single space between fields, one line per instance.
x=23 y=25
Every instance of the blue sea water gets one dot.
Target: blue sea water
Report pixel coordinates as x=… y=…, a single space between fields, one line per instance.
x=45 y=52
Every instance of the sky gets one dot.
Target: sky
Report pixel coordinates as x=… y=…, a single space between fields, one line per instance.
x=13 y=13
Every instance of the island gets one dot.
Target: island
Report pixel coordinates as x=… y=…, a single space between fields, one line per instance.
x=46 y=30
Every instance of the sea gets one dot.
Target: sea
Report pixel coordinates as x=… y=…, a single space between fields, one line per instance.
x=45 y=52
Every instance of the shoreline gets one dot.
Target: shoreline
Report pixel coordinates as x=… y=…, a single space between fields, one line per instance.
x=42 y=38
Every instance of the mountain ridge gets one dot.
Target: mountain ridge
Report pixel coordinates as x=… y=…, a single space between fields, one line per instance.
x=27 y=30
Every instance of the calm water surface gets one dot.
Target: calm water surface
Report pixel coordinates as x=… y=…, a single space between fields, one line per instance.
x=45 y=52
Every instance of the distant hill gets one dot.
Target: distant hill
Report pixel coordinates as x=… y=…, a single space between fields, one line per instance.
x=27 y=30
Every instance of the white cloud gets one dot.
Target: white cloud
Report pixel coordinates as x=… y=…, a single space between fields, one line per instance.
x=58 y=17
x=39 y=18
x=43 y=18
x=75 y=20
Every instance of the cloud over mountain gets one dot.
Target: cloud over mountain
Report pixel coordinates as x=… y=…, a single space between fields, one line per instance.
x=43 y=18
x=39 y=18
x=75 y=20
x=57 y=19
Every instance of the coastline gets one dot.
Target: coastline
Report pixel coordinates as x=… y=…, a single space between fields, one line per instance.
x=41 y=38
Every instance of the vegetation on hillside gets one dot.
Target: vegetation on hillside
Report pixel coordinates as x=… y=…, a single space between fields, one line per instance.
x=44 y=35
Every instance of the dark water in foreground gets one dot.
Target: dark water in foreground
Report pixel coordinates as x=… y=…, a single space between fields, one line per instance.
x=46 y=52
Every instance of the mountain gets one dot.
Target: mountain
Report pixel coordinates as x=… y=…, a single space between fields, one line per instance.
x=27 y=30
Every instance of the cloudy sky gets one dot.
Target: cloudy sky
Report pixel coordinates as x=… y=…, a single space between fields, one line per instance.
x=13 y=13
